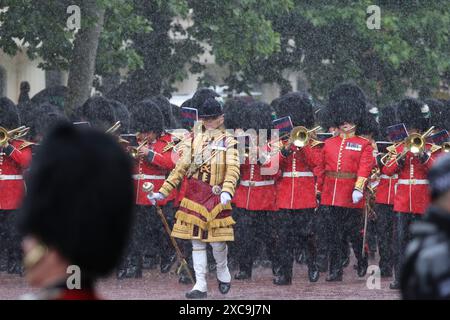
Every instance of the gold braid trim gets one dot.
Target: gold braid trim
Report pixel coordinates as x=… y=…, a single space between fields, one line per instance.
x=211 y=220
x=220 y=223
x=360 y=183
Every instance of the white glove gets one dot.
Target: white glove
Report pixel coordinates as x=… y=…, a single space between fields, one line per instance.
x=155 y=197
x=357 y=196
x=225 y=197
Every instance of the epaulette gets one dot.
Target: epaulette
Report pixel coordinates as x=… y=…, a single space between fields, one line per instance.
x=25 y=144
x=315 y=143
x=362 y=137
x=435 y=148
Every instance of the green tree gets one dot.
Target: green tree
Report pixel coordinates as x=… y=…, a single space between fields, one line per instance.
x=334 y=44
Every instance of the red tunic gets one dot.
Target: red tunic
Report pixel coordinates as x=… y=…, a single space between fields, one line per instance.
x=296 y=189
x=256 y=190
x=11 y=170
x=347 y=162
x=155 y=170
x=412 y=194
x=386 y=188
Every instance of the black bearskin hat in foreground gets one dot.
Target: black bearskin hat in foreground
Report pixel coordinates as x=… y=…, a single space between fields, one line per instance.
x=234 y=111
x=410 y=112
x=297 y=105
x=347 y=103
x=98 y=112
x=122 y=115
x=80 y=197
x=9 y=117
x=146 y=117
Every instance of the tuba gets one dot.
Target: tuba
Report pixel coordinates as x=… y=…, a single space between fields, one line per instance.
x=17 y=133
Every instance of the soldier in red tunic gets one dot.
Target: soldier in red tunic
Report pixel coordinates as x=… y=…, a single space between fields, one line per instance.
x=346 y=165
x=71 y=193
x=254 y=200
x=412 y=197
x=296 y=190
x=15 y=156
x=152 y=164
x=384 y=201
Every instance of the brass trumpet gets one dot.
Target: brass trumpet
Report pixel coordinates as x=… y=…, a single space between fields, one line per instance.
x=414 y=143
x=17 y=133
x=134 y=151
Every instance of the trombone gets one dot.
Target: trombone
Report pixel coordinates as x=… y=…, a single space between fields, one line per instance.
x=17 y=133
x=114 y=128
x=414 y=143
x=300 y=136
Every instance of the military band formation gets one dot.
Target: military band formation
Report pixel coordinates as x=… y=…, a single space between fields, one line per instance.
x=335 y=178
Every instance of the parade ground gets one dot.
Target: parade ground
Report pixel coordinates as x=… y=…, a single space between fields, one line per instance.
x=157 y=286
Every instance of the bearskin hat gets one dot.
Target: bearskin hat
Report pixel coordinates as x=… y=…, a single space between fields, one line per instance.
x=437 y=113
x=297 y=105
x=201 y=95
x=347 y=103
x=98 y=112
x=146 y=117
x=9 y=117
x=164 y=105
x=368 y=126
x=122 y=115
x=210 y=108
x=79 y=199
x=411 y=112
x=234 y=110
x=388 y=117
x=44 y=118
x=259 y=116
x=446 y=115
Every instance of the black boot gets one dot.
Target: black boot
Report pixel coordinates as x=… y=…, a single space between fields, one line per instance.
x=224 y=287
x=196 y=294
x=313 y=274
x=167 y=263
x=334 y=276
x=243 y=275
x=386 y=272
x=394 y=285
x=362 y=267
x=149 y=262
x=282 y=280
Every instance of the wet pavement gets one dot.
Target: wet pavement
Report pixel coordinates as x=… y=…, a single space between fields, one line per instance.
x=155 y=285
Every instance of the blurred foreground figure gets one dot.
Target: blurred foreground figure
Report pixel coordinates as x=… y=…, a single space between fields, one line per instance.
x=426 y=271
x=71 y=194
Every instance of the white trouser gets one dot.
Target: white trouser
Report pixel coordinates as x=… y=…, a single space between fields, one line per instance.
x=220 y=253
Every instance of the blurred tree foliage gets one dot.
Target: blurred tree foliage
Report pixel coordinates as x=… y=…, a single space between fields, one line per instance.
x=332 y=43
x=255 y=40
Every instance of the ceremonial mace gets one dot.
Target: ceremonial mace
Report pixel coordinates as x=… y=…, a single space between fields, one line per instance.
x=148 y=187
